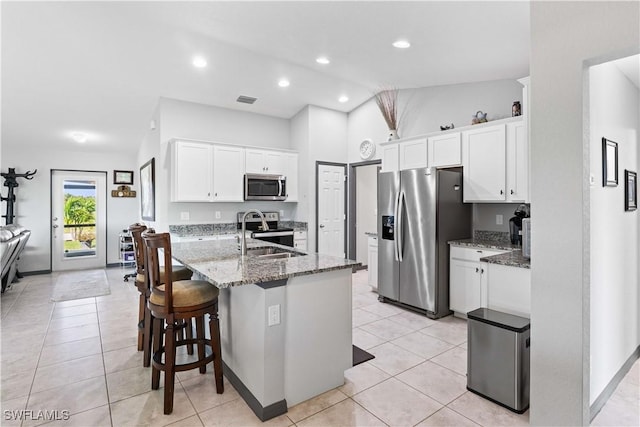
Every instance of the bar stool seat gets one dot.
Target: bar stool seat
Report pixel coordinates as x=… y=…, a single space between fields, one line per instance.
x=186 y=293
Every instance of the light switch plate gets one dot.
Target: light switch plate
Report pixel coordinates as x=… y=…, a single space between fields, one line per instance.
x=499 y=219
x=184 y=216
x=217 y=214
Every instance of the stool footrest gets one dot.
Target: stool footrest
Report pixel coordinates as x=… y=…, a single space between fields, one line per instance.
x=209 y=355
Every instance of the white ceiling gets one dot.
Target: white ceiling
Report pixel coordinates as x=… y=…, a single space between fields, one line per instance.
x=100 y=67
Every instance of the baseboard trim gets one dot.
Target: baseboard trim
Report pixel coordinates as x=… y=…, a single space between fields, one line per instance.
x=35 y=272
x=600 y=401
x=263 y=412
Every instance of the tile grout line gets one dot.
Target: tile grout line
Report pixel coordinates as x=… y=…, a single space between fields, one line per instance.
x=104 y=366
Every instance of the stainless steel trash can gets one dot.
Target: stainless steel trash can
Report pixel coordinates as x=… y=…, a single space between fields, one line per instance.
x=498 y=357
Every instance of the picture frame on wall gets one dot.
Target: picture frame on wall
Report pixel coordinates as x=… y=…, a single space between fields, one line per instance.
x=147 y=191
x=630 y=190
x=123 y=177
x=609 y=163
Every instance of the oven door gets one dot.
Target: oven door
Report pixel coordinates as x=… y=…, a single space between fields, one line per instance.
x=265 y=187
x=279 y=237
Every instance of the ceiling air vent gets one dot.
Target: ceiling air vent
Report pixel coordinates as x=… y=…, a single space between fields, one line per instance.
x=246 y=99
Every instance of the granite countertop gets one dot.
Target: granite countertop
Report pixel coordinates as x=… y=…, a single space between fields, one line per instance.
x=510 y=259
x=220 y=263
x=485 y=243
x=513 y=258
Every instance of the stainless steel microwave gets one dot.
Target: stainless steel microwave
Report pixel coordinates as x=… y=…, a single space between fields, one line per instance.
x=265 y=187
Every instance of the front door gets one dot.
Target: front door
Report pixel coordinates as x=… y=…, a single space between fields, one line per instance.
x=331 y=210
x=78 y=221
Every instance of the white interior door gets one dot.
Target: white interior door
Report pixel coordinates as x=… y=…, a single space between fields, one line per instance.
x=79 y=220
x=331 y=210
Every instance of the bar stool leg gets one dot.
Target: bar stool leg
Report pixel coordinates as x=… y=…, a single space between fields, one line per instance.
x=141 y=317
x=201 y=346
x=157 y=343
x=214 y=330
x=169 y=363
x=148 y=334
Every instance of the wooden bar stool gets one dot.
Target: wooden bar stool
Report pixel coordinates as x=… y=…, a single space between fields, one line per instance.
x=172 y=302
x=178 y=273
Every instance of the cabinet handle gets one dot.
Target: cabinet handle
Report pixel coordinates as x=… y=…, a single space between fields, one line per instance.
x=482 y=271
x=477 y=269
x=215 y=194
x=512 y=192
x=208 y=194
x=501 y=192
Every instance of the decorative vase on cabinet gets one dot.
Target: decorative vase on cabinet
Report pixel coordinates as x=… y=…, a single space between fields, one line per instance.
x=393 y=135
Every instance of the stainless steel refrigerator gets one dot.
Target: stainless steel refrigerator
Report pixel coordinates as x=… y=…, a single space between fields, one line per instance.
x=419 y=211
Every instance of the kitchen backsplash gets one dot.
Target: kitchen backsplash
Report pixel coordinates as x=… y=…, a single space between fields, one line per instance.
x=491 y=236
x=184 y=230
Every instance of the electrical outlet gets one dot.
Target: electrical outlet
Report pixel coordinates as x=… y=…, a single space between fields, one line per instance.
x=281 y=213
x=184 y=216
x=499 y=219
x=274 y=315
x=218 y=216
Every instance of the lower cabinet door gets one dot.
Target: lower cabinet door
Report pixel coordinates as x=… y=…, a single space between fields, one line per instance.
x=464 y=286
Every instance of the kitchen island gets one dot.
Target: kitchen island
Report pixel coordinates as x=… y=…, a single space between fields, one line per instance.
x=285 y=320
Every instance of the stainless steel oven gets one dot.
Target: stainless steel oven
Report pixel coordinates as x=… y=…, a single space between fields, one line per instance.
x=265 y=187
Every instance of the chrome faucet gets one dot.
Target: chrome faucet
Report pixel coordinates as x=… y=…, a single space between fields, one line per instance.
x=265 y=226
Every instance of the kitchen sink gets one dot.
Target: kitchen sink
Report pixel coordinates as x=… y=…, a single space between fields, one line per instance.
x=272 y=253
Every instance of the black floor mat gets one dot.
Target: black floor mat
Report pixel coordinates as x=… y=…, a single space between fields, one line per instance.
x=360 y=356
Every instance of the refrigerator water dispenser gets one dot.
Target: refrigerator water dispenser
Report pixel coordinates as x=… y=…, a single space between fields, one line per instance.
x=387 y=227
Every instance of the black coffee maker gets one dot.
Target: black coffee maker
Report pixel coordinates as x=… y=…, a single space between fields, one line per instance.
x=515 y=224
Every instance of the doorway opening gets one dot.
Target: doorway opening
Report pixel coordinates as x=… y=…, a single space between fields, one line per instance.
x=363 y=207
x=331 y=212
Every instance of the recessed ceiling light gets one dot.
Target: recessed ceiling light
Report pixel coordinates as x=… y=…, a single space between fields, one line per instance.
x=79 y=137
x=199 y=62
x=343 y=99
x=401 y=44
x=322 y=60
x=283 y=83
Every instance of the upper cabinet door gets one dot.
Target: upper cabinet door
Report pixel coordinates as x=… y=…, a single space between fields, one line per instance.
x=228 y=173
x=444 y=150
x=389 y=158
x=264 y=161
x=413 y=154
x=484 y=161
x=517 y=163
x=192 y=172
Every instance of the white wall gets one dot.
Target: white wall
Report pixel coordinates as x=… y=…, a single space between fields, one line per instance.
x=615 y=318
x=563 y=36
x=180 y=119
x=327 y=143
x=423 y=110
x=33 y=197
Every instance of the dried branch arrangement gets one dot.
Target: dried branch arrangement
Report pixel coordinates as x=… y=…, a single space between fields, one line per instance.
x=387 y=101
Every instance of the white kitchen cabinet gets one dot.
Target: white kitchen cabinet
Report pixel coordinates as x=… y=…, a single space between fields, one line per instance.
x=291 y=172
x=412 y=153
x=484 y=161
x=509 y=289
x=468 y=278
x=517 y=162
x=372 y=262
x=264 y=161
x=389 y=157
x=444 y=150
x=192 y=172
x=300 y=240
x=228 y=173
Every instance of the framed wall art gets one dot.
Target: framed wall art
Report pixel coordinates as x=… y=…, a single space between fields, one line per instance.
x=630 y=190
x=123 y=177
x=609 y=163
x=147 y=191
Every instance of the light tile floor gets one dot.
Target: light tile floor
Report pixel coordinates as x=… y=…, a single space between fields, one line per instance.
x=80 y=356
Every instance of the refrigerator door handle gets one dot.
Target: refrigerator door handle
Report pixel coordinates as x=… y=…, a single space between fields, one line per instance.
x=399 y=236
x=395 y=226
